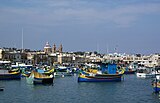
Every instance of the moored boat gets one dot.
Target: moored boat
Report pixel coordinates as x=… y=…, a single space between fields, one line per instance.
x=156 y=81
x=62 y=71
x=101 y=76
x=156 y=85
x=131 y=68
x=144 y=72
x=129 y=72
x=88 y=77
x=38 y=78
x=5 y=75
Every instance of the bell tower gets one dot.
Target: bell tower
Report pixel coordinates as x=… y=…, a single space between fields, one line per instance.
x=60 y=48
x=54 y=49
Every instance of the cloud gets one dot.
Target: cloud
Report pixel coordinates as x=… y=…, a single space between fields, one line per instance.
x=80 y=20
x=128 y=15
x=58 y=12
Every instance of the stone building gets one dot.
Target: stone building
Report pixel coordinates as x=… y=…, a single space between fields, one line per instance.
x=13 y=55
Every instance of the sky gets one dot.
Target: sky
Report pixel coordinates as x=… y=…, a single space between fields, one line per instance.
x=106 y=26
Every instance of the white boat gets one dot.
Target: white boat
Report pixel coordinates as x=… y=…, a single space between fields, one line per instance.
x=21 y=65
x=144 y=72
x=62 y=71
x=144 y=75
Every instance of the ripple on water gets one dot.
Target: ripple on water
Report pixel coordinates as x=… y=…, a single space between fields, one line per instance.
x=68 y=90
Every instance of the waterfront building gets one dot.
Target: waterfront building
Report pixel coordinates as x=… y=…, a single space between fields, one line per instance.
x=145 y=60
x=13 y=55
x=95 y=57
x=53 y=55
x=1 y=53
x=78 y=59
x=53 y=58
x=30 y=57
x=60 y=58
x=151 y=60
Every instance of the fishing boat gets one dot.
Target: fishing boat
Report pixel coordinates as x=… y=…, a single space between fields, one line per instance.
x=131 y=68
x=21 y=65
x=49 y=71
x=144 y=72
x=25 y=69
x=156 y=85
x=62 y=71
x=6 y=73
x=129 y=71
x=38 y=78
x=156 y=81
x=106 y=74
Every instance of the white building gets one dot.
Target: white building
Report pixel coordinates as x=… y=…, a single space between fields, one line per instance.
x=1 y=53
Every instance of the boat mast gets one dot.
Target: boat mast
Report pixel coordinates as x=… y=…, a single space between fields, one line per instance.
x=107 y=49
x=97 y=47
x=156 y=80
x=22 y=39
x=116 y=49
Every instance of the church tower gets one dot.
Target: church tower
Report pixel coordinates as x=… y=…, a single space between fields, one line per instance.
x=60 y=48
x=54 y=49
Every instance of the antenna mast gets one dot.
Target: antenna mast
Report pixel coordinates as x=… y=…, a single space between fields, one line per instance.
x=22 y=39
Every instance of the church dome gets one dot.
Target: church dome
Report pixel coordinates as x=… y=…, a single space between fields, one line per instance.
x=47 y=45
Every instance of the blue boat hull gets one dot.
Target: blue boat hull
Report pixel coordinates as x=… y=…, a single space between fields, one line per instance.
x=98 y=80
x=156 y=89
x=10 y=76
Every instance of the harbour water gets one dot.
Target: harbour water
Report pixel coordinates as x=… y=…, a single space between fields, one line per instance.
x=68 y=90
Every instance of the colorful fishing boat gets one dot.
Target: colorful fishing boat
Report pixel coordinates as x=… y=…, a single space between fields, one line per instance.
x=49 y=72
x=156 y=85
x=38 y=78
x=156 y=81
x=131 y=68
x=100 y=76
x=129 y=71
x=6 y=75
x=62 y=71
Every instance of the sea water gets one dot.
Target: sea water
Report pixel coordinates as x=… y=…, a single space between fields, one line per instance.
x=67 y=90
